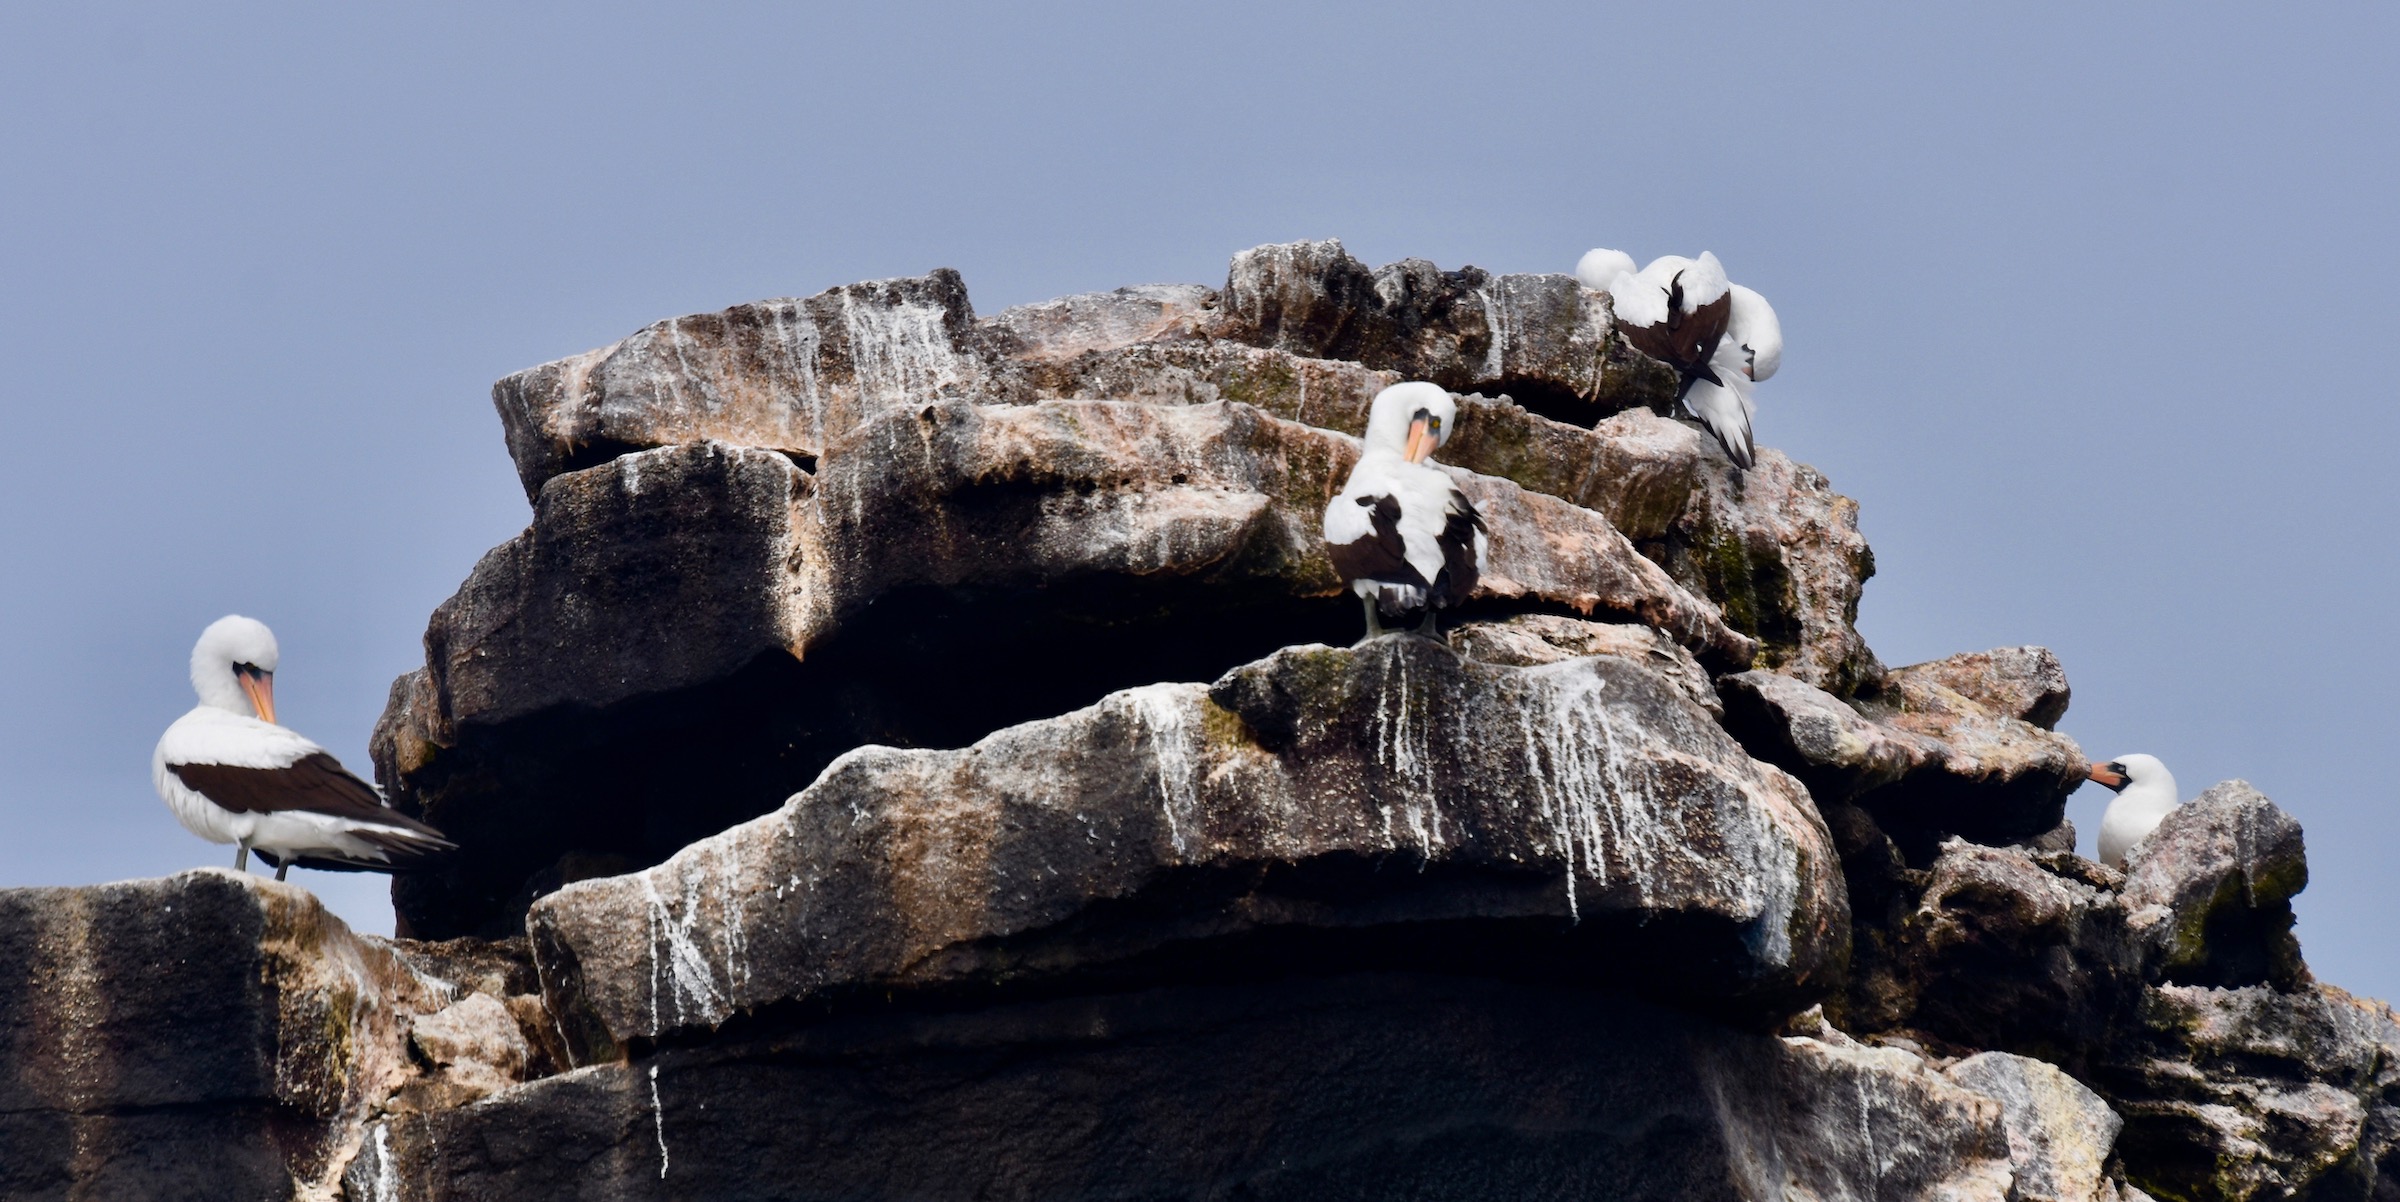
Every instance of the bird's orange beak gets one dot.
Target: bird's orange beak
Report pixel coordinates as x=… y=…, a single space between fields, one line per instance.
x=1420 y=441
x=260 y=689
x=2100 y=775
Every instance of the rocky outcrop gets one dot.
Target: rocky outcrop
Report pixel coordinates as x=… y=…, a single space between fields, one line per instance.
x=1924 y=759
x=710 y=620
x=915 y=755
x=1583 y=812
x=1448 y=1086
x=207 y=1034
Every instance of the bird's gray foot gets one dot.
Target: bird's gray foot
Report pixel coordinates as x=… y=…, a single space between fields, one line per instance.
x=281 y=869
x=1428 y=625
x=241 y=858
x=1374 y=622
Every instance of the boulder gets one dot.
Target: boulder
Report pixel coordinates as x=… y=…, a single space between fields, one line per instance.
x=2024 y=683
x=2016 y=951
x=786 y=375
x=2060 y=1133
x=1347 y=1086
x=1926 y=761
x=2254 y=1092
x=206 y=1034
x=686 y=636
x=2221 y=873
x=1389 y=803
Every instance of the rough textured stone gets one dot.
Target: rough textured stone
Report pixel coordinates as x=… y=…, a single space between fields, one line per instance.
x=2256 y=1093
x=1543 y=338
x=2025 y=683
x=1775 y=545
x=1926 y=761
x=686 y=636
x=2225 y=867
x=2021 y=953
x=1581 y=812
x=204 y=1034
x=1528 y=640
x=2060 y=1133
x=786 y=375
x=1411 y=1086
x=1070 y=327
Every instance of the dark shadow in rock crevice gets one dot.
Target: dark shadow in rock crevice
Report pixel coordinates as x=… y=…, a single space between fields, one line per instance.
x=577 y=792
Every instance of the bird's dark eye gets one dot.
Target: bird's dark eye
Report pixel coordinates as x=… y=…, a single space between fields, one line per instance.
x=2116 y=767
x=1366 y=502
x=248 y=670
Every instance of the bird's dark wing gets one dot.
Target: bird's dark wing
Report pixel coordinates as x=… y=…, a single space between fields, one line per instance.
x=1381 y=554
x=316 y=783
x=1460 y=569
x=1656 y=341
x=1696 y=336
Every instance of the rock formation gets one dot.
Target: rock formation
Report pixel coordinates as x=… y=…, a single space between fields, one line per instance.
x=916 y=755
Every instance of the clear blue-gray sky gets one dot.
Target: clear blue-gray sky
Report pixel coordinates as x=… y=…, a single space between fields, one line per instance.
x=2090 y=306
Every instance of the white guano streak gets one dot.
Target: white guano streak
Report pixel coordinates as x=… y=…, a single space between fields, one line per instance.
x=1402 y=747
x=1576 y=765
x=902 y=352
x=658 y=1118
x=680 y=970
x=1162 y=711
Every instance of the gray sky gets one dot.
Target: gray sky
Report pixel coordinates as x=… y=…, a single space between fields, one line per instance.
x=2089 y=307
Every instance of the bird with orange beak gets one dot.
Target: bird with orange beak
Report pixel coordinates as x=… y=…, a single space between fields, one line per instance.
x=1401 y=533
x=231 y=775
x=2145 y=794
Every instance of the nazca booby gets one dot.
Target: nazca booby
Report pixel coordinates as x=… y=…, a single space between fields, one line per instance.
x=1719 y=336
x=1401 y=533
x=2145 y=792
x=233 y=776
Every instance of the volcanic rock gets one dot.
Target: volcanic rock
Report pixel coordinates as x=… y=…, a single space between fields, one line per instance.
x=204 y=1034
x=1925 y=760
x=2224 y=868
x=2060 y=1133
x=686 y=636
x=1390 y=804
x=1438 y=1086
x=786 y=375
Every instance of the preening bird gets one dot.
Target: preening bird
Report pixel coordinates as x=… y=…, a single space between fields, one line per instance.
x=233 y=776
x=1403 y=536
x=1719 y=336
x=1600 y=266
x=2145 y=793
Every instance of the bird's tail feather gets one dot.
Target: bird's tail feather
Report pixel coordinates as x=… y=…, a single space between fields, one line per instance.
x=1726 y=409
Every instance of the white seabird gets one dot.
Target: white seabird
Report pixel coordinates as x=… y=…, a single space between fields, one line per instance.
x=2145 y=793
x=233 y=776
x=1600 y=266
x=1401 y=533
x=1719 y=336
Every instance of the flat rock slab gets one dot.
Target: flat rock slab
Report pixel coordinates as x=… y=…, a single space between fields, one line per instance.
x=204 y=1034
x=1927 y=761
x=1583 y=817
x=788 y=375
x=1357 y=1086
